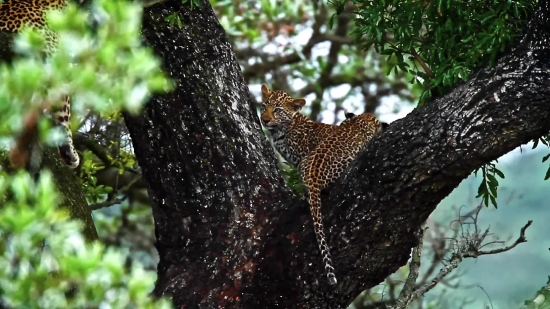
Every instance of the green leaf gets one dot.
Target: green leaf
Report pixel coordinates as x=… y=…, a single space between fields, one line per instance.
x=493 y=188
x=482 y=189
x=331 y=21
x=493 y=201
x=499 y=173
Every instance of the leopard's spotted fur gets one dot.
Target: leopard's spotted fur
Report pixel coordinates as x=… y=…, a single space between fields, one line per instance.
x=14 y=14
x=321 y=152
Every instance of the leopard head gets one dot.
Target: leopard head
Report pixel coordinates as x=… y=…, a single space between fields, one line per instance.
x=366 y=122
x=278 y=108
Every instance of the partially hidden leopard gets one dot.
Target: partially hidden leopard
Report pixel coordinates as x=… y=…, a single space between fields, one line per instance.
x=14 y=14
x=321 y=152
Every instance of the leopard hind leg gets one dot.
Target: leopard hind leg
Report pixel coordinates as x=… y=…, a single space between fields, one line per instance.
x=62 y=118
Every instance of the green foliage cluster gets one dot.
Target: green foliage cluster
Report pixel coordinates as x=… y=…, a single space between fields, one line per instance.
x=440 y=41
x=545 y=140
x=93 y=191
x=46 y=262
x=292 y=177
x=540 y=301
x=174 y=18
x=487 y=189
x=92 y=57
x=247 y=20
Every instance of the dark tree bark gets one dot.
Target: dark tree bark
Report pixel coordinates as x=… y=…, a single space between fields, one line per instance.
x=230 y=234
x=69 y=188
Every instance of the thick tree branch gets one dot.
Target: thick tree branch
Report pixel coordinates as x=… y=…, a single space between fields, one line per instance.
x=421 y=158
x=230 y=234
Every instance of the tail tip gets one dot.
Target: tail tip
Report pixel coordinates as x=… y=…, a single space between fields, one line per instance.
x=68 y=156
x=332 y=279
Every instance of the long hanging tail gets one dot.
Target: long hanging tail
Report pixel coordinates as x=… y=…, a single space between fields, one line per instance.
x=315 y=207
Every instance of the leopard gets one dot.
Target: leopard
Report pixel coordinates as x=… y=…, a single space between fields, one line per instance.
x=14 y=15
x=321 y=152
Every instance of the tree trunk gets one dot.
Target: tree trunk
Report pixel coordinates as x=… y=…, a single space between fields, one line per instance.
x=230 y=234
x=69 y=188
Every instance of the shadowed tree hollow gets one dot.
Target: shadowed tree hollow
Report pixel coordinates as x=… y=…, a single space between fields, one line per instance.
x=230 y=234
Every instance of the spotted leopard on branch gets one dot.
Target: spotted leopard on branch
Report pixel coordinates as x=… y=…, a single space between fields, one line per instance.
x=14 y=14
x=321 y=152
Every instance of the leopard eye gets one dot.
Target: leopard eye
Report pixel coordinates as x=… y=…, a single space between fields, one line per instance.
x=263 y=107
x=277 y=109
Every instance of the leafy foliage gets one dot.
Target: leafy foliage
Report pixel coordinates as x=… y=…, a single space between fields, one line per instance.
x=439 y=42
x=292 y=176
x=93 y=192
x=114 y=54
x=46 y=262
x=489 y=184
x=192 y=3
x=546 y=141
x=46 y=257
x=174 y=18
x=541 y=301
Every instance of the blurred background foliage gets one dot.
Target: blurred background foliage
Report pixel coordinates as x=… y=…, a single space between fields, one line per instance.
x=46 y=260
x=389 y=58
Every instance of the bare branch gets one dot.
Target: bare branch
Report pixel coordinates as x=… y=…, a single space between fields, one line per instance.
x=113 y=201
x=94 y=147
x=406 y=295
x=519 y=240
x=457 y=258
x=422 y=63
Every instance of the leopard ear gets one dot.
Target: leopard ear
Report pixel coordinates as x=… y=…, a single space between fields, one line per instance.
x=265 y=92
x=383 y=126
x=297 y=104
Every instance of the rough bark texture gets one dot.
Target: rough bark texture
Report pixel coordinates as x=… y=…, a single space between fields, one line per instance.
x=67 y=184
x=69 y=187
x=231 y=235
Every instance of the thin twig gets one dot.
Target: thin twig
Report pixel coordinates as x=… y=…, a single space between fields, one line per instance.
x=422 y=63
x=114 y=201
x=521 y=239
x=151 y=3
x=490 y=301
